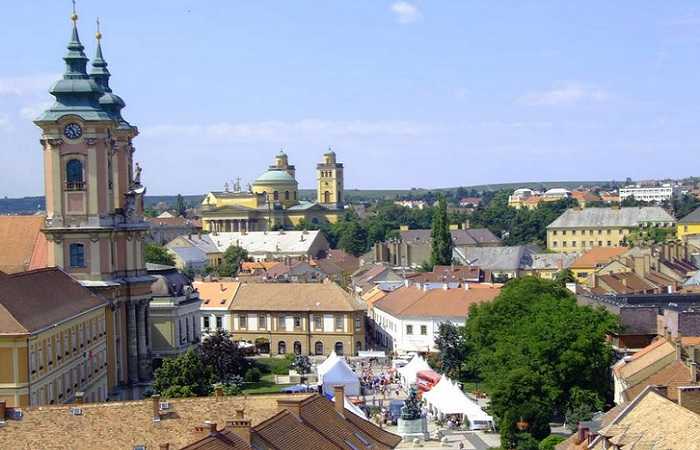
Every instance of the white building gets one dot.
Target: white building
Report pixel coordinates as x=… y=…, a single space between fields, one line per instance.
x=648 y=193
x=407 y=319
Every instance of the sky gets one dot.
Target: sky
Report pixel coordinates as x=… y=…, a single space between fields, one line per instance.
x=414 y=93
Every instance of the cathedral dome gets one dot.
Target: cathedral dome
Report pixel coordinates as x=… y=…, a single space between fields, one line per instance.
x=275 y=177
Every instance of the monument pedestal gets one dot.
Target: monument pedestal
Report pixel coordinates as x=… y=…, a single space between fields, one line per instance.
x=415 y=428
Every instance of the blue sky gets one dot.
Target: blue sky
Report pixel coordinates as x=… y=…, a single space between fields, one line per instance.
x=408 y=93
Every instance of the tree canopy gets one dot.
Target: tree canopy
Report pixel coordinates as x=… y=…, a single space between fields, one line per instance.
x=441 y=240
x=222 y=355
x=157 y=254
x=537 y=352
x=231 y=262
x=183 y=376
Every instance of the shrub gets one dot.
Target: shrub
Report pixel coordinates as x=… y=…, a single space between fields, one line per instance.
x=550 y=442
x=253 y=375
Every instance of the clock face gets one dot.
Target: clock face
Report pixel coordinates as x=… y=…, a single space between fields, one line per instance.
x=72 y=131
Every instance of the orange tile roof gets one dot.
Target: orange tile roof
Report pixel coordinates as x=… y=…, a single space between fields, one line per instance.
x=672 y=376
x=654 y=352
x=249 y=266
x=412 y=301
x=216 y=294
x=22 y=244
x=597 y=256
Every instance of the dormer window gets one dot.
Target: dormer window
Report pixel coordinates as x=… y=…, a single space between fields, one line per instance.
x=75 y=178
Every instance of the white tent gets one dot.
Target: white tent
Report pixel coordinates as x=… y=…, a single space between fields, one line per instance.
x=340 y=374
x=447 y=398
x=327 y=364
x=409 y=371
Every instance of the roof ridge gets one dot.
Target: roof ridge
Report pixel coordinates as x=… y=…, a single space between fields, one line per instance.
x=39 y=270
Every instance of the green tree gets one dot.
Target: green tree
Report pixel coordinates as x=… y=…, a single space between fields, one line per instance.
x=231 y=262
x=180 y=206
x=450 y=341
x=564 y=276
x=533 y=346
x=550 y=442
x=581 y=406
x=222 y=355
x=157 y=254
x=441 y=250
x=183 y=376
x=302 y=366
x=353 y=238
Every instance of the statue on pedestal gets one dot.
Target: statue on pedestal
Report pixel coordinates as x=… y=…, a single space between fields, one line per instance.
x=412 y=424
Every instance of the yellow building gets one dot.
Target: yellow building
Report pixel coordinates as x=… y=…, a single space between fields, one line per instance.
x=689 y=225
x=272 y=201
x=578 y=230
x=53 y=340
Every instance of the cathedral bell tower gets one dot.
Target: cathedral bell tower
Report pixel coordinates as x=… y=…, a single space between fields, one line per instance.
x=94 y=203
x=329 y=174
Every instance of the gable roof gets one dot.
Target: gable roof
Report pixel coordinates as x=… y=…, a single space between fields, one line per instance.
x=216 y=294
x=293 y=297
x=597 y=256
x=413 y=301
x=611 y=217
x=652 y=354
x=22 y=244
x=469 y=236
x=652 y=421
x=40 y=298
x=672 y=377
x=496 y=258
x=256 y=242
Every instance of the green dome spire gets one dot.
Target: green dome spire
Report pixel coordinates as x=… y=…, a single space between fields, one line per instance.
x=111 y=103
x=76 y=93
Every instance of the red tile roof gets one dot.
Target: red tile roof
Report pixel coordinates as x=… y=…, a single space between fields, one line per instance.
x=22 y=244
x=413 y=301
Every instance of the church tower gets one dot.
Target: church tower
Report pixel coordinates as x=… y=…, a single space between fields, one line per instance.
x=329 y=174
x=94 y=204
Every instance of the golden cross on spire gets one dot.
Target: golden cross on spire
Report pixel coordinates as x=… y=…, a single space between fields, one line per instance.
x=74 y=16
x=98 y=34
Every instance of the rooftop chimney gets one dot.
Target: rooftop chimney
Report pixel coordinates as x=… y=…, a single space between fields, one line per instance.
x=339 y=392
x=694 y=372
x=290 y=404
x=165 y=446
x=240 y=413
x=679 y=347
x=219 y=392
x=241 y=427
x=210 y=426
x=155 y=401
x=79 y=397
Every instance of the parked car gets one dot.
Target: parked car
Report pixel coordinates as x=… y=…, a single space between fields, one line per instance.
x=395 y=410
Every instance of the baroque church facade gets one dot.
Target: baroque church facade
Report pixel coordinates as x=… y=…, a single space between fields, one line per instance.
x=94 y=222
x=272 y=200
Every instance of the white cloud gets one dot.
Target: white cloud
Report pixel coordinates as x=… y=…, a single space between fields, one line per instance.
x=282 y=131
x=405 y=12
x=27 y=84
x=565 y=94
x=31 y=112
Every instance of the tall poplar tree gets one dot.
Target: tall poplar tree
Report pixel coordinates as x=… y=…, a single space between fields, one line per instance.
x=441 y=253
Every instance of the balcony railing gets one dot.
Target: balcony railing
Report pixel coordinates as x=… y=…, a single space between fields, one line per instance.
x=75 y=185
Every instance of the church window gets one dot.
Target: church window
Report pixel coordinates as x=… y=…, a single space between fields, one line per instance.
x=77 y=255
x=74 y=175
x=276 y=195
x=286 y=195
x=326 y=197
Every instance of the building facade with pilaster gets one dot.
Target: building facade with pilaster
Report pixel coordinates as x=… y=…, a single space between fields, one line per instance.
x=94 y=207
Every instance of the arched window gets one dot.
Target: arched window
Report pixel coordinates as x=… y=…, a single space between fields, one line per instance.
x=326 y=197
x=297 y=348
x=276 y=195
x=338 y=348
x=74 y=175
x=282 y=347
x=286 y=195
x=77 y=255
x=318 y=348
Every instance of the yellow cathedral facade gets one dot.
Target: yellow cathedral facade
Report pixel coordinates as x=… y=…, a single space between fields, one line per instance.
x=272 y=200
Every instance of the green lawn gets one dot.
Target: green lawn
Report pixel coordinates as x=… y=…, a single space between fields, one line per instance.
x=266 y=385
x=278 y=366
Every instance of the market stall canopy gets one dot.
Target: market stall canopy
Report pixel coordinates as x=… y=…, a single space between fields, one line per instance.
x=410 y=370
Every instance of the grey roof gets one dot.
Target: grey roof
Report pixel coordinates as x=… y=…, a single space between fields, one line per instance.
x=275 y=176
x=610 y=217
x=496 y=258
x=693 y=217
x=190 y=254
x=470 y=236
x=543 y=261
x=203 y=242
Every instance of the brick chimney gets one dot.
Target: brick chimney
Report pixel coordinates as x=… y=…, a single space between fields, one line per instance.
x=165 y=446
x=210 y=426
x=219 y=392
x=241 y=427
x=79 y=397
x=290 y=404
x=339 y=393
x=155 y=403
x=689 y=398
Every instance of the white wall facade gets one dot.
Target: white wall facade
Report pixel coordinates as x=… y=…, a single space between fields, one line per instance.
x=409 y=334
x=648 y=194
